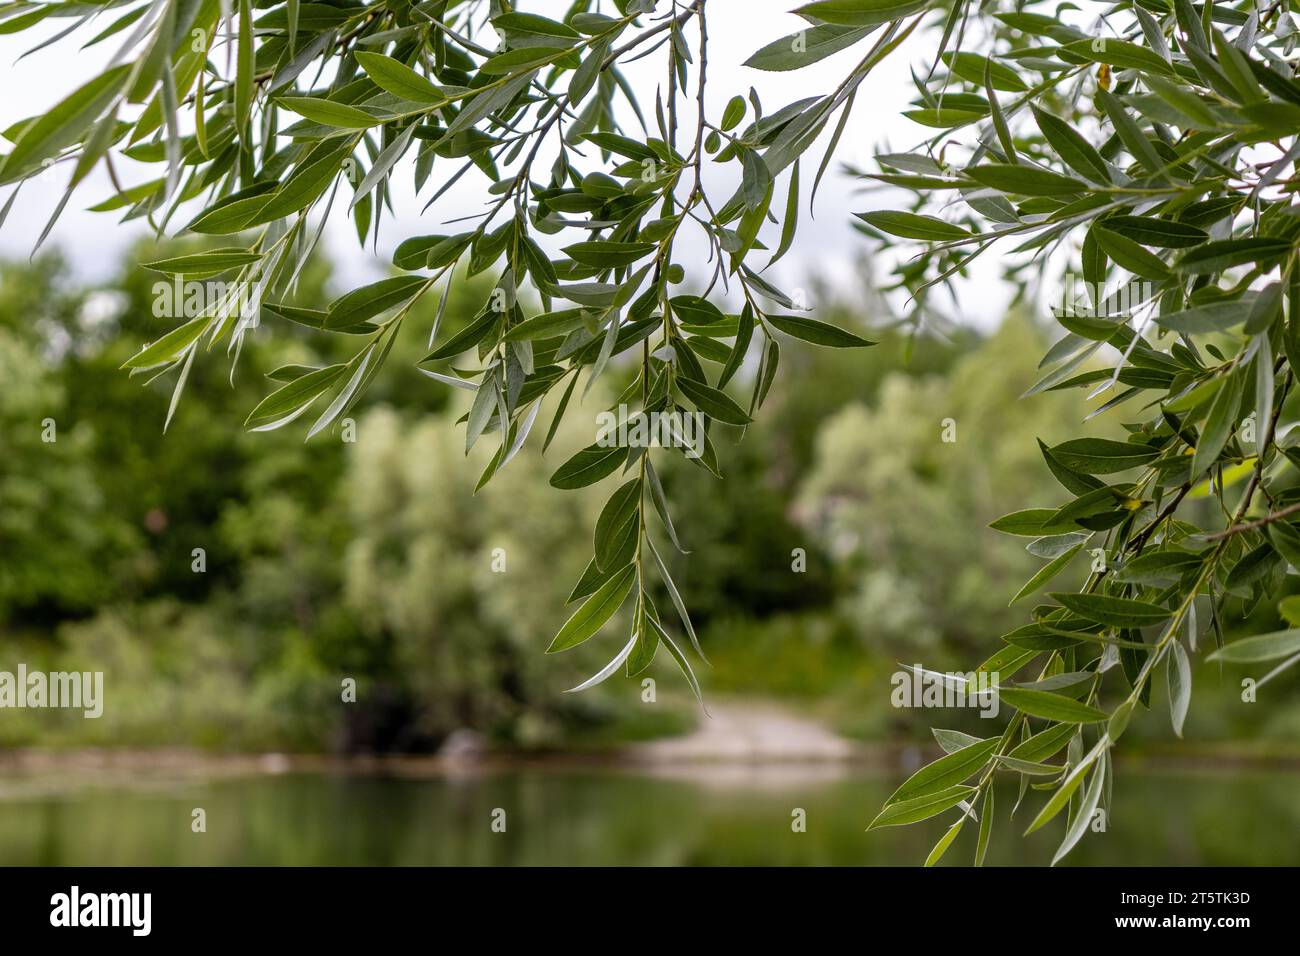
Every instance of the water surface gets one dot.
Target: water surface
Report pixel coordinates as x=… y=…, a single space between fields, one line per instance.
x=708 y=816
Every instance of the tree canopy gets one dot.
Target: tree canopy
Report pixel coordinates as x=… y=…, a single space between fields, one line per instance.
x=1133 y=162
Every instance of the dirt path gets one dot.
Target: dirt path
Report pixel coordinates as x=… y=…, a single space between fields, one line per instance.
x=741 y=731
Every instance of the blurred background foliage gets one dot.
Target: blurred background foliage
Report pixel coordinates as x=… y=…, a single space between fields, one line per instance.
x=374 y=559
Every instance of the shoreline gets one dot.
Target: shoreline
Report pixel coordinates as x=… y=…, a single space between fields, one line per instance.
x=880 y=758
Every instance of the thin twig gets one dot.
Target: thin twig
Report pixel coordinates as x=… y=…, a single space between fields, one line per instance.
x=1254 y=525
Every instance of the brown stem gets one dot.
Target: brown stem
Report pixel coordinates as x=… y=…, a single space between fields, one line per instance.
x=1253 y=525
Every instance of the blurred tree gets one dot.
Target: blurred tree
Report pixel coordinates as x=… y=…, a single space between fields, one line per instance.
x=60 y=539
x=905 y=510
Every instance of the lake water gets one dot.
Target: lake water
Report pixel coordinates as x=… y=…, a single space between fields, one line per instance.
x=708 y=816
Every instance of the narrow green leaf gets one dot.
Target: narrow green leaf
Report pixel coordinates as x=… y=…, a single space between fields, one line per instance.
x=945 y=841
x=285 y=404
x=1062 y=796
x=608 y=255
x=922 y=808
x=595 y=611
x=521 y=60
x=948 y=770
x=1045 y=744
x=1074 y=150
x=397 y=78
x=612 y=526
x=1217 y=256
x=798 y=50
x=1180 y=686
x=64 y=125
x=818 y=333
x=329 y=113
x=953 y=740
x=589 y=466
x=1025 y=180
x=1041 y=703
x=368 y=301
x=202 y=265
x=244 y=68
x=1263 y=647
x=912 y=226
x=1083 y=814
x=169 y=346
x=1032 y=523
x=713 y=402
x=1112 y=611
x=986 y=828
x=1219 y=423
x=1117 y=53
x=859 y=13
x=1128 y=254
x=1047 y=572
x=1101 y=456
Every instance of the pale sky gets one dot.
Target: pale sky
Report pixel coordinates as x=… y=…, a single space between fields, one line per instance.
x=825 y=245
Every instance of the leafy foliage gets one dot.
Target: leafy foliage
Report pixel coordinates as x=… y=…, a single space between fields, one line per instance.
x=1150 y=153
x=1143 y=147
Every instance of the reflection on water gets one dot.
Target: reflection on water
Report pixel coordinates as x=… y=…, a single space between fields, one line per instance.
x=736 y=816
